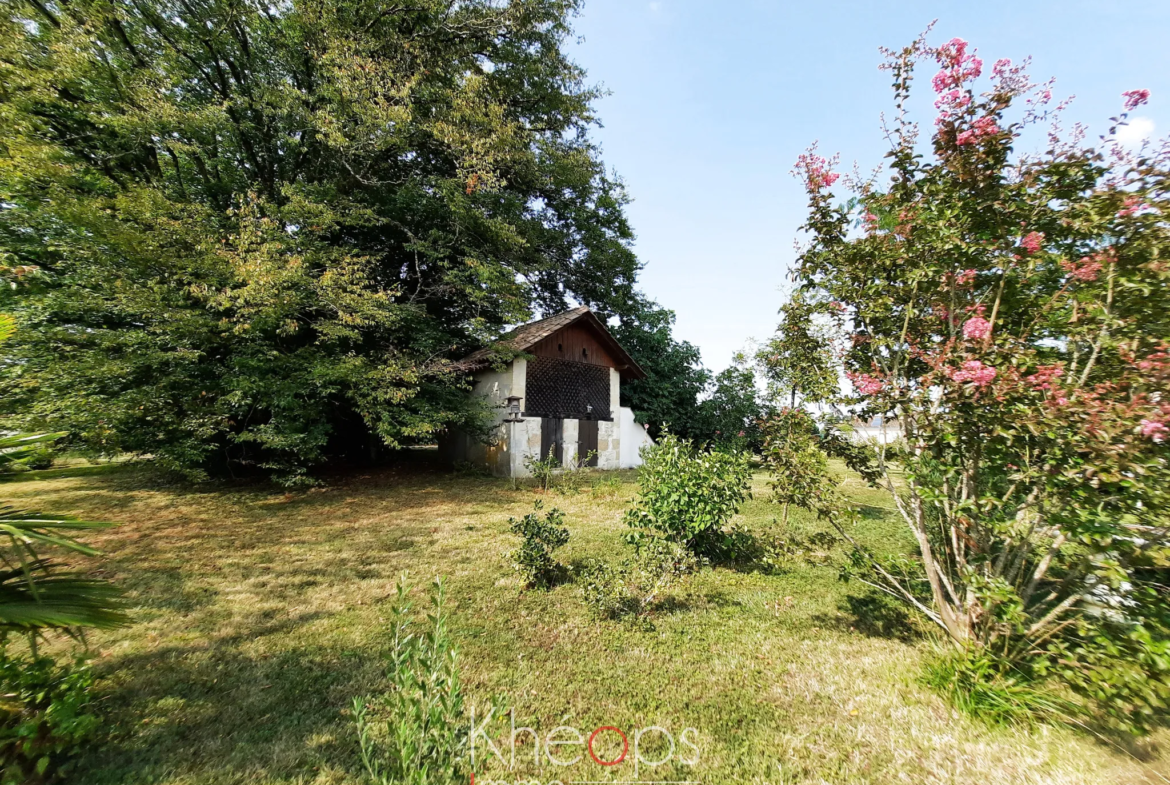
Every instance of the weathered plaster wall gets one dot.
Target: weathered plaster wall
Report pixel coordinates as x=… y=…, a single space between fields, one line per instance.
x=571 y=438
x=633 y=438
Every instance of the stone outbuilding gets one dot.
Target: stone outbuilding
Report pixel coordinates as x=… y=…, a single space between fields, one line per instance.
x=560 y=396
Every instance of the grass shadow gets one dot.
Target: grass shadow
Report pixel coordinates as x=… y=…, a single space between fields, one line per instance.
x=874 y=615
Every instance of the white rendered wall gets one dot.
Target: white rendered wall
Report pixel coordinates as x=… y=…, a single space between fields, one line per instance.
x=633 y=438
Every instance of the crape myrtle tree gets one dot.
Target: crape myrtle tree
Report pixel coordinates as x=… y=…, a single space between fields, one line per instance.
x=252 y=232
x=1010 y=310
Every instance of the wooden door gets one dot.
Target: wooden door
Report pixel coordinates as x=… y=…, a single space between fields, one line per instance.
x=552 y=437
x=587 y=441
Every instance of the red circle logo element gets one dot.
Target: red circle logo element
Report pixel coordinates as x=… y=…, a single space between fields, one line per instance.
x=625 y=747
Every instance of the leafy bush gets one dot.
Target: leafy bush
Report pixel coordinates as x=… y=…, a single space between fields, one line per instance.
x=413 y=732
x=635 y=589
x=540 y=536
x=983 y=686
x=543 y=470
x=46 y=714
x=687 y=495
x=39 y=459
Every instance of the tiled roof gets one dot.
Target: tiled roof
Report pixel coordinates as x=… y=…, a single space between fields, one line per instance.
x=528 y=335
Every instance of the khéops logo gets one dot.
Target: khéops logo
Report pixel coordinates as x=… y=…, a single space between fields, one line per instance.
x=607 y=746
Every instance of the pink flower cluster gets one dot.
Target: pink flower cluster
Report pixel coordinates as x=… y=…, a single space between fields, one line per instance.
x=1155 y=430
x=815 y=170
x=957 y=65
x=1133 y=205
x=1032 y=242
x=964 y=278
x=866 y=384
x=984 y=126
x=1135 y=98
x=976 y=329
x=1088 y=268
x=1045 y=377
x=973 y=372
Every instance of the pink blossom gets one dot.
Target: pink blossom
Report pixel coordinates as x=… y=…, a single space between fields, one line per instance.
x=984 y=126
x=1135 y=98
x=973 y=372
x=741 y=434
x=976 y=329
x=1032 y=241
x=1154 y=430
x=964 y=278
x=957 y=65
x=1000 y=69
x=1045 y=376
x=867 y=384
x=815 y=170
x=1088 y=268
x=1132 y=206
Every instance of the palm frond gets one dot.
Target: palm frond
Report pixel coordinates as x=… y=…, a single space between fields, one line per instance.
x=58 y=600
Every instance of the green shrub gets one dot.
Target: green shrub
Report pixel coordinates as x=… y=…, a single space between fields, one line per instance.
x=540 y=536
x=413 y=733
x=687 y=495
x=46 y=714
x=986 y=687
x=543 y=470
x=636 y=588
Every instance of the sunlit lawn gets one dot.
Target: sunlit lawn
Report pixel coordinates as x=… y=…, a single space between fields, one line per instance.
x=259 y=615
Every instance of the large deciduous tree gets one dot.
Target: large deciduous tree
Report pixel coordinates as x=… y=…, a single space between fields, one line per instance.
x=1010 y=311
x=252 y=233
x=668 y=398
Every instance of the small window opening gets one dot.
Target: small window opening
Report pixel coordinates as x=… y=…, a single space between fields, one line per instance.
x=560 y=348
x=585 y=353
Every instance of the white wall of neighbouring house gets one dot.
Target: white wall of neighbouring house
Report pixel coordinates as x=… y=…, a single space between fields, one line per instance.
x=633 y=437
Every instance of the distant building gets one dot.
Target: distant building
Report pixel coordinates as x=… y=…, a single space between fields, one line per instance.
x=566 y=394
x=877 y=430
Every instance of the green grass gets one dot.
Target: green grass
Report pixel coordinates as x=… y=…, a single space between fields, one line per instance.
x=260 y=614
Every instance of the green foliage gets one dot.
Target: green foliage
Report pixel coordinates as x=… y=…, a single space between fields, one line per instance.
x=983 y=686
x=37 y=594
x=250 y=239
x=18 y=450
x=799 y=468
x=668 y=398
x=1008 y=309
x=539 y=536
x=732 y=414
x=46 y=715
x=635 y=589
x=798 y=362
x=543 y=470
x=686 y=495
x=413 y=733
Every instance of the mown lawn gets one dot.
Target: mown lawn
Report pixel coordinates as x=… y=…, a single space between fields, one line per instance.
x=260 y=614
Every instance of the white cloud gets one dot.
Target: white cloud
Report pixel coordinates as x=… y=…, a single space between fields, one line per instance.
x=1138 y=130
x=655 y=7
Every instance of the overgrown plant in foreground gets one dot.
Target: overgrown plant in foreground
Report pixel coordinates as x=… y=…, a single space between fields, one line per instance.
x=687 y=495
x=539 y=537
x=413 y=733
x=1011 y=312
x=47 y=713
x=636 y=587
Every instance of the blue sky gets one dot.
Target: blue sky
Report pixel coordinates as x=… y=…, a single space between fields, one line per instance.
x=712 y=101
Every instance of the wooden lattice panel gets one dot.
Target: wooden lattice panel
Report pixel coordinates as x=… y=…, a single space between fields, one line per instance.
x=564 y=388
